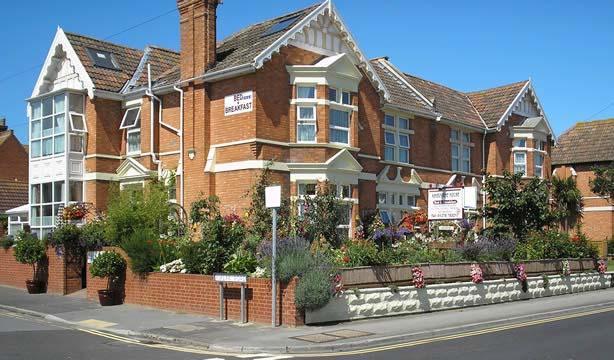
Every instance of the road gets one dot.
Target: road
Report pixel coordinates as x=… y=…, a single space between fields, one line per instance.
x=583 y=337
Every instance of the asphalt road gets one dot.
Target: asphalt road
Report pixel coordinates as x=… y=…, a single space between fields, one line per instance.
x=587 y=337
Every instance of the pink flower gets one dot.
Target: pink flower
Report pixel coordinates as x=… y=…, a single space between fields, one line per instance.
x=602 y=266
x=418 y=277
x=477 y=275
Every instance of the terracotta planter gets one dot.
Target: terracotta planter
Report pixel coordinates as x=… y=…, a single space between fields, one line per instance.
x=35 y=287
x=108 y=297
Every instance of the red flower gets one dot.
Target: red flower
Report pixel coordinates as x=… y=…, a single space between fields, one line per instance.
x=346 y=259
x=575 y=238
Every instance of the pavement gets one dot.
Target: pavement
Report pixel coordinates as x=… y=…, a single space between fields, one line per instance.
x=196 y=331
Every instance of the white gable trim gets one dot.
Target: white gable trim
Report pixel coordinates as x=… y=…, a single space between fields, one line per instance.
x=132 y=169
x=397 y=184
x=60 y=39
x=521 y=94
x=326 y=8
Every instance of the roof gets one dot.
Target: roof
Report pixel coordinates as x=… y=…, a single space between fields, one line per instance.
x=493 y=103
x=4 y=135
x=585 y=142
x=12 y=194
x=127 y=58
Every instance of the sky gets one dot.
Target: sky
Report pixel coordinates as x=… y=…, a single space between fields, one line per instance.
x=565 y=47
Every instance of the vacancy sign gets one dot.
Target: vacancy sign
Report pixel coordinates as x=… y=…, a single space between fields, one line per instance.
x=238 y=103
x=446 y=204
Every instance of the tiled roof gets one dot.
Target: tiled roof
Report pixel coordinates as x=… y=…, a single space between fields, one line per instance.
x=492 y=103
x=12 y=194
x=4 y=135
x=451 y=104
x=127 y=58
x=585 y=142
x=161 y=61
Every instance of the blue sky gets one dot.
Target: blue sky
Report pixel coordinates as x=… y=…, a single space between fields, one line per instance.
x=567 y=48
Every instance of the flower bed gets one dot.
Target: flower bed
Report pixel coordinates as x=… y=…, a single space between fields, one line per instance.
x=200 y=294
x=378 y=302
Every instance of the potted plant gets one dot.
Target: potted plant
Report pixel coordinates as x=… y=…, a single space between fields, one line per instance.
x=108 y=265
x=30 y=250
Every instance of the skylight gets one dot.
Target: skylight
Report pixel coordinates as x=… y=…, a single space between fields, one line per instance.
x=281 y=25
x=103 y=59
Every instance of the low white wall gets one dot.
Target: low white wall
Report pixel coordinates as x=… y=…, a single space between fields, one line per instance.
x=376 y=302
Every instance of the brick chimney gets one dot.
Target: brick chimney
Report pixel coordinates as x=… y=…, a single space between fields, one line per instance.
x=3 y=126
x=197 y=22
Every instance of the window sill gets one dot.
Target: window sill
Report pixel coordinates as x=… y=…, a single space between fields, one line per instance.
x=388 y=162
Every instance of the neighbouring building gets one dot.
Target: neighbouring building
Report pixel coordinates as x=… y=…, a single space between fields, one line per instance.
x=295 y=93
x=13 y=179
x=578 y=150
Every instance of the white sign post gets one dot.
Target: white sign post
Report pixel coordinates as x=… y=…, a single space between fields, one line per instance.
x=238 y=103
x=445 y=204
x=272 y=200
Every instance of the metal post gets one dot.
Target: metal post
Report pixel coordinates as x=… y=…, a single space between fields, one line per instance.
x=222 y=317
x=273 y=277
x=243 y=319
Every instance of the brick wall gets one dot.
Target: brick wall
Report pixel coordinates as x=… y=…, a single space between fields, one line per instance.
x=200 y=294
x=60 y=279
x=14 y=160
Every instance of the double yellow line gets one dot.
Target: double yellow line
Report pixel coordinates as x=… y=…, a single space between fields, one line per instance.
x=373 y=349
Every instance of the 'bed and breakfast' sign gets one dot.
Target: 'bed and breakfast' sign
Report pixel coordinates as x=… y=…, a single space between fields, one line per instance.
x=238 y=103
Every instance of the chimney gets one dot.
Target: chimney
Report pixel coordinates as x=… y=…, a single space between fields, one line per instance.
x=3 y=126
x=197 y=25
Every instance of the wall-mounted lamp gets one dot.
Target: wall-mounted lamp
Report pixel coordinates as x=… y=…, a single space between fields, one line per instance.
x=191 y=154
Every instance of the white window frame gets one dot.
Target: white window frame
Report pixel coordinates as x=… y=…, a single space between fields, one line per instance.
x=339 y=94
x=123 y=125
x=462 y=144
x=300 y=121
x=523 y=164
x=312 y=86
x=340 y=128
x=72 y=124
x=81 y=138
x=394 y=201
x=539 y=174
x=128 y=133
x=398 y=132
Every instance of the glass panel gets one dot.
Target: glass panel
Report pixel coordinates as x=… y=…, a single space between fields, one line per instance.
x=76 y=143
x=47 y=215
x=35 y=151
x=58 y=191
x=306 y=113
x=36 y=214
x=75 y=103
x=306 y=189
x=466 y=166
x=58 y=126
x=411 y=200
x=466 y=152
x=518 y=169
x=134 y=142
x=47 y=146
x=454 y=150
x=76 y=191
x=404 y=140
x=381 y=198
x=403 y=123
x=455 y=163
x=520 y=143
x=519 y=158
x=36 y=129
x=306 y=132
x=389 y=120
x=466 y=137
x=339 y=136
x=389 y=153
x=346 y=98
x=58 y=144
x=47 y=106
x=306 y=92
x=392 y=199
x=59 y=102
x=389 y=138
x=539 y=159
x=404 y=156
x=400 y=199
x=47 y=192
x=454 y=134
x=35 y=196
x=77 y=123
x=48 y=126
x=339 y=118
x=131 y=118
x=37 y=110
x=332 y=94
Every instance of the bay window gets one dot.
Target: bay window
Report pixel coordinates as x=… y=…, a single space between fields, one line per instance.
x=396 y=139
x=460 y=150
x=45 y=202
x=339 y=96
x=47 y=126
x=306 y=124
x=339 y=126
x=520 y=162
x=305 y=92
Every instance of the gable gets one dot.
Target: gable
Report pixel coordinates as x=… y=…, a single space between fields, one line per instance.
x=132 y=169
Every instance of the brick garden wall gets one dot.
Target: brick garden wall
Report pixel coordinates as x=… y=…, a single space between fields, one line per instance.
x=200 y=294
x=60 y=278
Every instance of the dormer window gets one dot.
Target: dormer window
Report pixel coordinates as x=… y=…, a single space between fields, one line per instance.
x=103 y=59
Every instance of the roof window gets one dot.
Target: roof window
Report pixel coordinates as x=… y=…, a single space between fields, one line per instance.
x=281 y=25
x=103 y=59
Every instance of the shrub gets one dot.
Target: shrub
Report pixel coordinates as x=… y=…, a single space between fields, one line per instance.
x=284 y=245
x=93 y=235
x=143 y=249
x=293 y=264
x=554 y=245
x=108 y=265
x=30 y=250
x=6 y=242
x=322 y=214
x=202 y=257
x=66 y=239
x=241 y=262
x=313 y=291
x=489 y=249
x=360 y=253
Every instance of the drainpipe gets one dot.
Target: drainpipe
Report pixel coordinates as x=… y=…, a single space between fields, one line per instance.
x=180 y=140
x=483 y=179
x=149 y=93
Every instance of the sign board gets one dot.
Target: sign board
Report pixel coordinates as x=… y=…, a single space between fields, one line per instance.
x=238 y=103
x=470 y=200
x=231 y=278
x=446 y=228
x=445 y=204
x=272 y=196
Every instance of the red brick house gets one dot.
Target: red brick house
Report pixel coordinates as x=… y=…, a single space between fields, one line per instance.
x=13 y=172
x=295 y=93
x=578 y=151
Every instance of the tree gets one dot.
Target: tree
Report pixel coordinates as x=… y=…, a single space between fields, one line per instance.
x=517 y=205
x=603 y=183
x=322 y=214
x=567 y=201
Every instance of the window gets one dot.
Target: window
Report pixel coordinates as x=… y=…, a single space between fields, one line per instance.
x=76 y=143
x=133 y=140
x=538 y=164
x=280 y=26
x=343 y=191
x=461 y=150
x=339 y=126
x=339 y=96
x=396 y=139
x=520 y=143
x=381 y=198
x=46 y=201
x=346 y=98
x=131 y=118
x=132 y=123
x=520 y=163
x=305 y=190
x=332 y=94
x=305 y=92
x=540 y=145
x=306 y=124
x=48 y=126
x=77 y=124
x=76 y=191
x=103 y=59
x=394 y=204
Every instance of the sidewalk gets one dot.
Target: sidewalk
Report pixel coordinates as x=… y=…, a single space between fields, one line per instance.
x=206 y=332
